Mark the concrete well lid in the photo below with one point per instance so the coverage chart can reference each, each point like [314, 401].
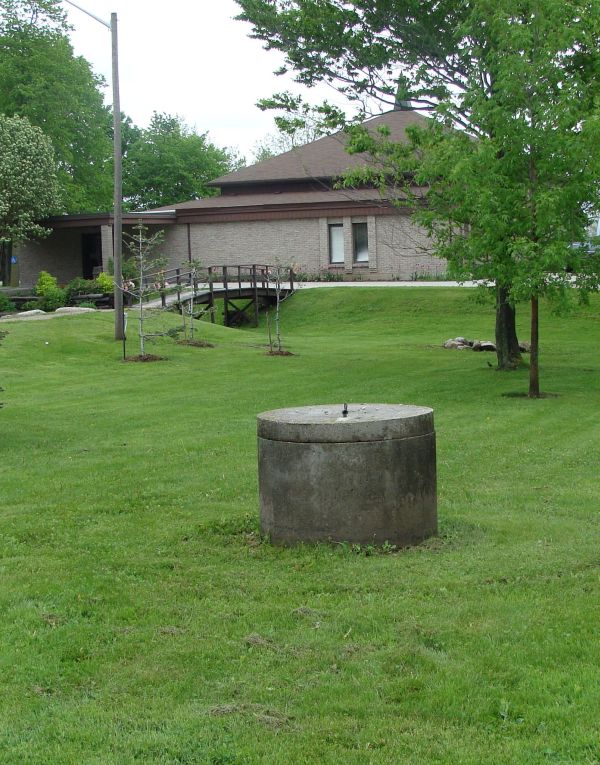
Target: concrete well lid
[325, 423]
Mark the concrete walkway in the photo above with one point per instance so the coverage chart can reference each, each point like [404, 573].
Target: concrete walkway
[310, 285]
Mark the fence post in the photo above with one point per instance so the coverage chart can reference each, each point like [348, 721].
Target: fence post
[178, 275]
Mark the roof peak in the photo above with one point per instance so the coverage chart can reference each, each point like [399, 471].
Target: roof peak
[324, 158]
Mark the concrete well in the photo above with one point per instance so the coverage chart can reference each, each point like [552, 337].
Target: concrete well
[368, 477]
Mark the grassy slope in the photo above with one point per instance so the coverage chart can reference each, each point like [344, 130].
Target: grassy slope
[145, 622]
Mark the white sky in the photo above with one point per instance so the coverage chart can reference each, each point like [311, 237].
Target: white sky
[191, 58]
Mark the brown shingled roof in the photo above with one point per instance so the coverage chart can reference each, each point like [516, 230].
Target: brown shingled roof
[324, 158]
[270, 199]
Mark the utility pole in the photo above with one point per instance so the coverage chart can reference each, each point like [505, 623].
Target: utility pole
[118, 178]
[118, 170]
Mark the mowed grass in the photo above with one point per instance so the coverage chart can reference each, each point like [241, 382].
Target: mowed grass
[145, 621]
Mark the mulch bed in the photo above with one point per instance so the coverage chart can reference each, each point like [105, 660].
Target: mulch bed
[145, 357]
[280, 353]
[196, 343]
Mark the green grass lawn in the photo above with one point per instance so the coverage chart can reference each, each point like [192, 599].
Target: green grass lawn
[144, 620]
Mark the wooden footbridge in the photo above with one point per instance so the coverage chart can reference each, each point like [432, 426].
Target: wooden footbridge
[244, 289]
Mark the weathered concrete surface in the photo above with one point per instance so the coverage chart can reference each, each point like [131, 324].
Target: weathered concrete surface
[366, 478]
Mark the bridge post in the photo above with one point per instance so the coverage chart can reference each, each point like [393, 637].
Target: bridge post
[226, 303]
[211, 302]
[255, 288]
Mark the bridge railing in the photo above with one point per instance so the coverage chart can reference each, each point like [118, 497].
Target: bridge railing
[166, 281]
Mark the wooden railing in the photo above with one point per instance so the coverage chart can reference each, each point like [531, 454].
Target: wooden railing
[230, 281]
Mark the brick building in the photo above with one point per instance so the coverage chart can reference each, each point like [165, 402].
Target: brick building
[285, 209]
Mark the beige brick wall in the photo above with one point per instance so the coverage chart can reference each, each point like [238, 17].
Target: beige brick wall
[397, 248]
[289, 242]
[59, 254]
[404, 249]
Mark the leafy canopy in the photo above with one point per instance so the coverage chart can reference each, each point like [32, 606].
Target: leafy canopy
[41, 79]
[169, 162]
[29, 190]
[509, 205]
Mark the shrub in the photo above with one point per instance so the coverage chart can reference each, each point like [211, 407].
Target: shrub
[6, 304]
[52, 299]
[45, 283]
[80, 286]
[129, 268]
[106, 283]
[31, 305]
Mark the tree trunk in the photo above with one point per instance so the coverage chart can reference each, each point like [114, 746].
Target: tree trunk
[534, 370]
[507, 343]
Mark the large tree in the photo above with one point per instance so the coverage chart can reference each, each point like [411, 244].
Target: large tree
[41, 79]
[29, 191]
[169, 162]
[446, 57]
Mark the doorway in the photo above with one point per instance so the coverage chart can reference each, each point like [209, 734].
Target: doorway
[91, 255]
[9, 276]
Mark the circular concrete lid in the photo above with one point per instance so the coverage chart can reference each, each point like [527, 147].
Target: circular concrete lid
[363, 422]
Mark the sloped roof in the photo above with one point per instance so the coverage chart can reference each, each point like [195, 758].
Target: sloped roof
[276, 199]
[325, 158]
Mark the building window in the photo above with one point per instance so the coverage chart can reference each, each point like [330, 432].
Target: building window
[336, 243]
[360, 238]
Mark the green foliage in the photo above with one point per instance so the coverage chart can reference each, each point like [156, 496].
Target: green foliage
[52, 299]
[105, 282]
[6, 304]
[321, 276]
[45, 283]
[81, 286]
[520, 78]
[50, 296]
[128, 268]
[41, 79]
[28, 186]
[30, 305]
[170, 163]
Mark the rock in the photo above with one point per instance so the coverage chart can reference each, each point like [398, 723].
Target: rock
[74, 309]
[525, 347]
[486, 345]
[476, 345]
[451, 344]
[35, 312]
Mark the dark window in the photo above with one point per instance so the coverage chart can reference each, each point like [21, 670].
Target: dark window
[360, 238]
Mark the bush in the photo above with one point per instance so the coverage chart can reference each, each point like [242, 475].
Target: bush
[45, 283]
[129, 268]
[106, 283]
[31, 305]
[80, 286]
[52, 299]
[6, 304]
